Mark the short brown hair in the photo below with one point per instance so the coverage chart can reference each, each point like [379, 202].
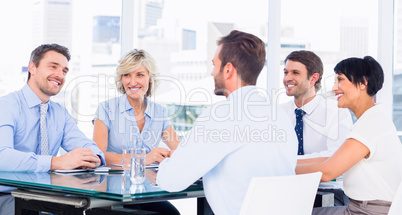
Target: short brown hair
[246, 52]
[38, 53]
[312, 62]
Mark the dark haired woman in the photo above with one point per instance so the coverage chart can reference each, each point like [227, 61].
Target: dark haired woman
[371, 156]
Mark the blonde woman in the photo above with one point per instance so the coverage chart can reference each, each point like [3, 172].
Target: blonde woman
[133, 116]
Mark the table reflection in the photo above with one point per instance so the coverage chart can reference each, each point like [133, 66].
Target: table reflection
[87, 181]
[109, 186]
[112, 185]
[127, 187]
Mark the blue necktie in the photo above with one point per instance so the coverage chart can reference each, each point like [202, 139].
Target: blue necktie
[299, 130]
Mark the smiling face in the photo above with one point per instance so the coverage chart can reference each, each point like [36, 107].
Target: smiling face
[47, 79]
[296, 82]
[346, 92]
[136, 83]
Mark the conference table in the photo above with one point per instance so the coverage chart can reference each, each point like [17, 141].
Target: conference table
[89, 192]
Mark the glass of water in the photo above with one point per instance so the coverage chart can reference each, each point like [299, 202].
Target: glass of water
[125, 183]
[138, 165]
[128, 149]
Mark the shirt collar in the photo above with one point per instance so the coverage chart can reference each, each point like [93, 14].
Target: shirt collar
[311, 105]
[242, 91]
[150, 111]
[30, 97]
[124, 105]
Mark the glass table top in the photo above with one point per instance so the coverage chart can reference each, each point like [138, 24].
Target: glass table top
[89, 184]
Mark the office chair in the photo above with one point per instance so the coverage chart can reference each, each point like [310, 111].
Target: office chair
[293, 195]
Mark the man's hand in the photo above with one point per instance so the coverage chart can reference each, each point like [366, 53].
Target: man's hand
[156, 155]
[150, 174]
[77, 158]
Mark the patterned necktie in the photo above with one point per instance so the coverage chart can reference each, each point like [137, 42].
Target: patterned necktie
[44, 145]
[299, 130]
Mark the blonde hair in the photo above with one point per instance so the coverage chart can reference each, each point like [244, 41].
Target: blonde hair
[132, 61]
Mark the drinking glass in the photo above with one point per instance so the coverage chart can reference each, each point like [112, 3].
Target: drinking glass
[138, 165]
[125, 183]
[128, 149]
[137, 188]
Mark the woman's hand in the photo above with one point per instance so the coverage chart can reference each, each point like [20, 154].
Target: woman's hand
[156, 155]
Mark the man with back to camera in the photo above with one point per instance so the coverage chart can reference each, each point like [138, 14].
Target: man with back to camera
[229, 142]
[322, 125]
[33, 128]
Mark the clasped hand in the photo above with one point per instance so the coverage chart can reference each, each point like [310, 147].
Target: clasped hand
[78, 158]
[158, 154]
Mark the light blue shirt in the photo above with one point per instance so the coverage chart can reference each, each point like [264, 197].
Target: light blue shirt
[118, 116]
[20, 132]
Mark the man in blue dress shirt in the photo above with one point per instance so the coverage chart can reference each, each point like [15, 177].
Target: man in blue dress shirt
[29, 143]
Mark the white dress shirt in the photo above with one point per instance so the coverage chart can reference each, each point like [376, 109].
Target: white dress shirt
[231, 142]
[325, 126]
[378, 176]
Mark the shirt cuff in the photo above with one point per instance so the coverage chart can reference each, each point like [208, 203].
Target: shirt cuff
[44, 163]
[103, 162]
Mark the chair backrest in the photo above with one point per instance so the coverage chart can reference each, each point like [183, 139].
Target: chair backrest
[396, 206]
[292, 194]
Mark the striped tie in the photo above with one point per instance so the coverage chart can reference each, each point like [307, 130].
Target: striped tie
[44, 145]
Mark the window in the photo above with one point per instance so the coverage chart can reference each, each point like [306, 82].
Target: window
[335, 31]
[189, 39]
[183, 41]
[91, 31]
